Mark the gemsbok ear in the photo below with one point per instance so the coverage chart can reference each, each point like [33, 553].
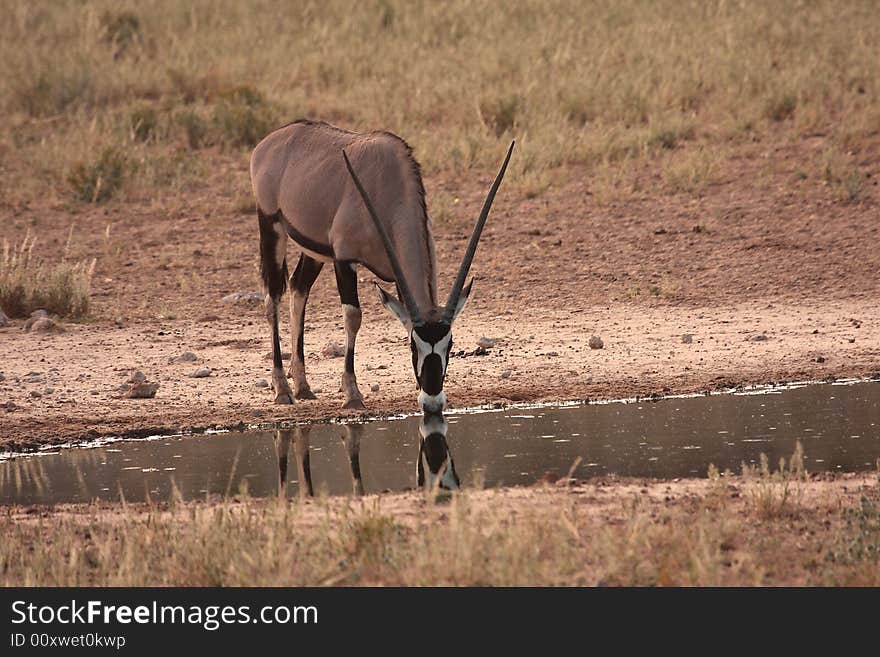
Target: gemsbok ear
[462, 300]
[395, 307]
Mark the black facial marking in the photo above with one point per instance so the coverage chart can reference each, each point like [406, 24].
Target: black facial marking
[415, 360]
[431, 379]
[432, 332]
[436, 452]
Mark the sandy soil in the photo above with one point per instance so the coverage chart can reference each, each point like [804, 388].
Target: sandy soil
[775, 279]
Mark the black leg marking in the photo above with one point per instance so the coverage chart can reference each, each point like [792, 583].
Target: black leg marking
[274, 276]
[304, 276]
[273, 269]
[276, 346]
[346, 283]
[303, 461]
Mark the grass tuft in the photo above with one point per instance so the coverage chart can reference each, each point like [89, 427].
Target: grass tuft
[780, 107]
[776, 494]
[242, 117]
[121, 29]
[98, 181]
[28, 283]
[144, 122]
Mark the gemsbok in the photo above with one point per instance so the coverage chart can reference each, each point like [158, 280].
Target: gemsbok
[373, 214]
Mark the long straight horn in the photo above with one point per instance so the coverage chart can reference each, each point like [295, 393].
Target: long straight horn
[455, 293]
[405, 292]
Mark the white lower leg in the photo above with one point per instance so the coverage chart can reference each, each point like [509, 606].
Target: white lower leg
[283, 393]
[353, 397]
[297, 369]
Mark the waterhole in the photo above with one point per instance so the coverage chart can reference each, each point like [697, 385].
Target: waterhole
[837, 424]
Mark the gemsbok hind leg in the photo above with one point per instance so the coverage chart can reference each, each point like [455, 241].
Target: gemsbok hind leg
[346, 282]
[301, 282]
[273, 269]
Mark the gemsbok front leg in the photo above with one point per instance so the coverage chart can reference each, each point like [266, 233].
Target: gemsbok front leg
[273, 269]
[301, 282]
[346, 282]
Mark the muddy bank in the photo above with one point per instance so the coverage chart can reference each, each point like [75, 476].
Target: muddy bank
[67, 386]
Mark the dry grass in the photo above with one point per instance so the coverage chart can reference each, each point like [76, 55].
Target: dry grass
[28, 283]
[599, 82]
[698, 532]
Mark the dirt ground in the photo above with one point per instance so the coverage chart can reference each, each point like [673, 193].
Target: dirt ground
[774, 277]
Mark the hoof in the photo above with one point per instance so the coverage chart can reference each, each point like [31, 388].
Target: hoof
[354, 404]
[284, 398]
[305, 394]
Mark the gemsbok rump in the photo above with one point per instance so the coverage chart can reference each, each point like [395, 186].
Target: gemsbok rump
[372, 214]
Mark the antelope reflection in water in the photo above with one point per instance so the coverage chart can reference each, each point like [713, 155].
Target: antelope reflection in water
[298, 437]
[435, 467]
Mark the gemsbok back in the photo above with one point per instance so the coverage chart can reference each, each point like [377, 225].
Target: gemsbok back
[372, 214]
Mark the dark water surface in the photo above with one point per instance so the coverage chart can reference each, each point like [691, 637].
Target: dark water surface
[838, 426]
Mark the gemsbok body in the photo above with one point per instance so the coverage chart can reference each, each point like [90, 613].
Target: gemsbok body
[353, 199]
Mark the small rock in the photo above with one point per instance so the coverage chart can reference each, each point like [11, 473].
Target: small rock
[820, 359]
[505, 374]
[201, 373]
[553, 354]
[250, 298]
[185, 357]
[333, 350]
[374, 387]
[136, 377]
[142, 390]
[761, 337]
[2, 376]
[596, 342]
[660, 231]
[850, 340]
[486, 343]
[257, 412]
[261, 383]
[40, 325]
[9, 406]
[285, 355]
[37, 314]
[36, 394]
[687, 338]
[48, 391]
[317, 391]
